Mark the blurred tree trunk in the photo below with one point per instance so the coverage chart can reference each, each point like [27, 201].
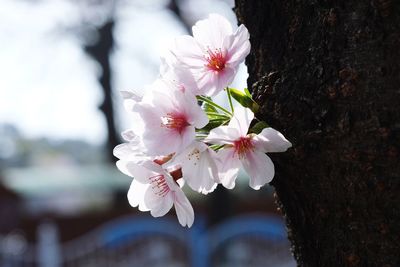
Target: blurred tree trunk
[100, 51]
[327, 75]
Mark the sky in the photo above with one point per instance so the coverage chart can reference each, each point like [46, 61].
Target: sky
[48, 85]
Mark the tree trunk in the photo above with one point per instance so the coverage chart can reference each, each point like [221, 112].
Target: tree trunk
[327, 75]
[101, 51]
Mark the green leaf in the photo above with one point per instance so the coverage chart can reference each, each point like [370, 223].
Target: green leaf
[215, 115]
[244, 98]
[213, 123]
[208, 108]
[258, 127]
[247, 92]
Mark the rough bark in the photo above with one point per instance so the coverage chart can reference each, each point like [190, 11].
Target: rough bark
[327, 74]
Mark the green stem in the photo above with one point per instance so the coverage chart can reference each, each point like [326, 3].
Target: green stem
[205, 99]
[229, 98]
[216, 114]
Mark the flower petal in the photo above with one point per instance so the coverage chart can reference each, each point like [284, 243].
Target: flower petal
[188, 51]
[259, 167]
[130, 99]
[130, 152]
[183, 208]
[137, 171]
[195, 114]
[239, 47]
[199, 167]
[222, 135]
[229, 166]
[211, 32]
[270, 140]
[241, 120]
[158, 205]
[136, 195]
[225, 78]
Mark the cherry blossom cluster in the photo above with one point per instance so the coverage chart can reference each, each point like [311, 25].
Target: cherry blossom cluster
[181, 136]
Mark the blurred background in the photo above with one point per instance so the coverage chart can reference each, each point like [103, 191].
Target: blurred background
[62, 200]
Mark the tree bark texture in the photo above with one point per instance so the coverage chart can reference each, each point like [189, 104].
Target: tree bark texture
[327, 75]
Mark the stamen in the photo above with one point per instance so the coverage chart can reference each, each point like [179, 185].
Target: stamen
[175, 122]
[243, 145]
[159, 185]
[216, 60]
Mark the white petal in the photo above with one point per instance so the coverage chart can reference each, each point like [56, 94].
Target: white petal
[187, 137]
[138, 171]
[130, 152]
[241, 120]
[211, 32]
[158, 205]
[188, 51]
[270, 140]
[130, 136]
[229, 168]
[130, 99]
[199, 167]
[136, 195]
[121, 165]
[259, 167]
[239, 47]
[180, 77]
[222, 135]
[195, 114]
[183, 208]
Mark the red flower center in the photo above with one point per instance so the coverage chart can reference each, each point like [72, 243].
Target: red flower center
[216, 60]
[243, 145]
[177, 122]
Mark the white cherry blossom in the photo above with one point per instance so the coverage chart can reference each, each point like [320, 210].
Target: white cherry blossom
[199, 167]
[154, 190]
[246, 150]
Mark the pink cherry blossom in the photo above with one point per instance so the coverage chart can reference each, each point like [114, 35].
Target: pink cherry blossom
[154, 190]
[213, 54]
[246, 150]
[167, 119]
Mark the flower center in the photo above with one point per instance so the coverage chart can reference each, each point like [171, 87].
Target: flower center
[175, 122]
[159, 185]
[216, 60]
[243, 145]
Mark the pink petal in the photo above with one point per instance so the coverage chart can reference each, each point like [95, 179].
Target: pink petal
[239, 47]
[188, 51]
[259, 167]
[211, 32]
[225, 78]
[163, 141]
[270, 140]
[229, 167]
